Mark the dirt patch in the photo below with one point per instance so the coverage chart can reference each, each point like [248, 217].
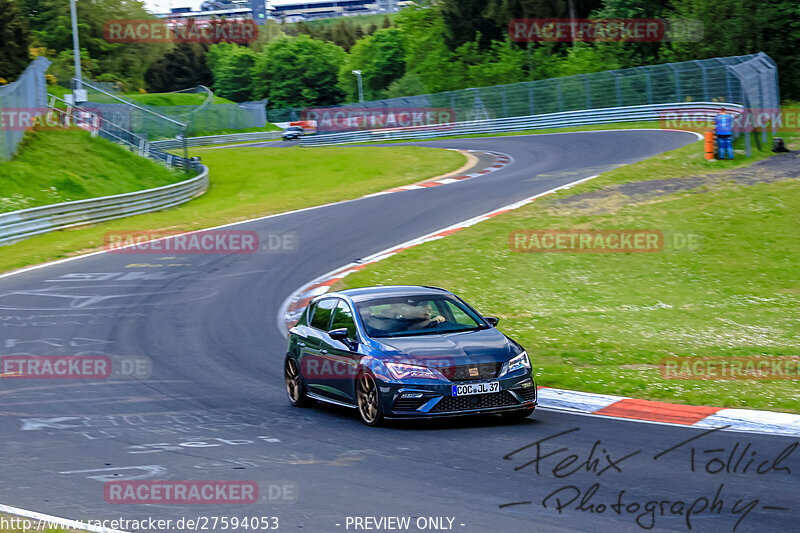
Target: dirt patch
[778, 167]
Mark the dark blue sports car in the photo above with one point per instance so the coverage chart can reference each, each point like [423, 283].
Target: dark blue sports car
[406, 352]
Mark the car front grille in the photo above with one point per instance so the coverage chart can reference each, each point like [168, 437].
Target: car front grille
[476, 401]
[471, 372]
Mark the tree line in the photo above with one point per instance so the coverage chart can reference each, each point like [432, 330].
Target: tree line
[430, 46]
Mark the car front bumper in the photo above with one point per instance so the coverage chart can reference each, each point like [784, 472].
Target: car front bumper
[436, 400]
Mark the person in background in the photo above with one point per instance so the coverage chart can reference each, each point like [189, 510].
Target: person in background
[723, 126]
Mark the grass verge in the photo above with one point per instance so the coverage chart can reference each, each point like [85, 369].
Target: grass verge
[67, 165]
[603, 322]
[253, 182]
[171, 99]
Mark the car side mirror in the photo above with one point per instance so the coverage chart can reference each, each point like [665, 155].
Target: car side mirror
[340, 334]
[492, 320]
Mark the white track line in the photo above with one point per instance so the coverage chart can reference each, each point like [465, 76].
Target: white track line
[390, 191]
[377, 256]
[90, 254]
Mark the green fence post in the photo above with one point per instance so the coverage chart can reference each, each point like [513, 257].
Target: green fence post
[705, 80]
[617, 87]
[648, 85]
[588, 87]
[560, 99]
[678, 92]
[185, 151]
[530, 98]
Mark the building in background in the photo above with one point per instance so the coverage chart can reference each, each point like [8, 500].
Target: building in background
[293, 11]
[259, 8]
[288, 10]
[388, 6]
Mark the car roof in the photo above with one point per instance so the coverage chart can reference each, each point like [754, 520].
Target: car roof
[362, 294]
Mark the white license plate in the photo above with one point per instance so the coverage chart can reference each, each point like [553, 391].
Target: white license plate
[476, 388]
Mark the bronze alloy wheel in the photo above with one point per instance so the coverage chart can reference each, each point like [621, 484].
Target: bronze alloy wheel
[295, 386]
[368, 402]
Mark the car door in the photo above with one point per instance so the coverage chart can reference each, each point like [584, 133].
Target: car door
[342, 357]
[302, 338]
[312, 366]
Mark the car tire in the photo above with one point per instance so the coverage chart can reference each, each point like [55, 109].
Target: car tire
[295, 384]
[368, 400]
[520, 414]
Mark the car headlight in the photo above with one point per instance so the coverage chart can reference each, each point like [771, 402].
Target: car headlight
[406, 371]
[520, 361]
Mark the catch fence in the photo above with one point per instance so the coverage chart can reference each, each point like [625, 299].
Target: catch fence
[749, 80]
[28, 92]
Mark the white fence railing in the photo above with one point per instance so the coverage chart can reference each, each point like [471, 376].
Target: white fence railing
[18, 225]
[552, 120]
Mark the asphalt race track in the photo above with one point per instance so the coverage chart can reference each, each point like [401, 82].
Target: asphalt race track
[215, 407]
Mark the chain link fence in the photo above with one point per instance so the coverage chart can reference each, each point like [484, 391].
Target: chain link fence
[26, 102]
[123, 117]
[202, 119]
[749, 80]
[758, 79]
[708, 80]
[25, 95]
[88, 118]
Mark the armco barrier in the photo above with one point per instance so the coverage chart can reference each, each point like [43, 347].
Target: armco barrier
[551, 120]
[18, 225]
[219, 139]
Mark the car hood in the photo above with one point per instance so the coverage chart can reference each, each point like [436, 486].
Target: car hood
[450, 349]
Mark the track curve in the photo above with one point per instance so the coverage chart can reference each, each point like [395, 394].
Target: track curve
[215, 408]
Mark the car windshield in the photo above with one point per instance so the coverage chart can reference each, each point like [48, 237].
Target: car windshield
[416, 315]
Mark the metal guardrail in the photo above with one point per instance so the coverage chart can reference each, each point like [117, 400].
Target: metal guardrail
[219, 139]
[550, 120]
[18, 225]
